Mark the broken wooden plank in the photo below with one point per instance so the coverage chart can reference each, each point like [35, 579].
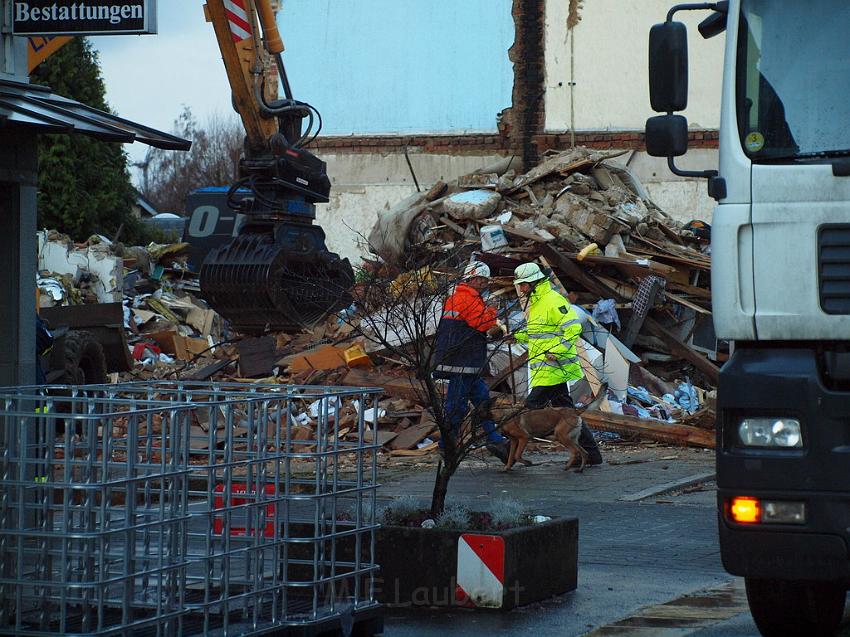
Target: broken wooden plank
[629, 266]
[395, 386]
[577, 274]
[683, 301]
[558, 164]
[424, 451]
[539, 235]
[625, 290]
[688, 262]
[650, 429]
[670, 234]
[413, 435]
[383, 437]
[685, 256]
[690, 290]
[453, 226]
[322, 358]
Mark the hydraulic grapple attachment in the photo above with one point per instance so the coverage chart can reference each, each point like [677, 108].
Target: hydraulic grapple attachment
[277, 273]
[283, 278]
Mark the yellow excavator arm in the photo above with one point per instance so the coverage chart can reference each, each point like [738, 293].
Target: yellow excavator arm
[235, 27]
[277, 273]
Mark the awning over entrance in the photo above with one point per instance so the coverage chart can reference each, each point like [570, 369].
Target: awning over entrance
[36, 107]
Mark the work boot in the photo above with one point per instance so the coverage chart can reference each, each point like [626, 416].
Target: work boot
[500, 450]
[588, 443]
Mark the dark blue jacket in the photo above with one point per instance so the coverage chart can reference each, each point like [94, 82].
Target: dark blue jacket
[461, 343]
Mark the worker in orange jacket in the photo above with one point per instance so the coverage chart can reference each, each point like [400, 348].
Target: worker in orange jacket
[460, 351]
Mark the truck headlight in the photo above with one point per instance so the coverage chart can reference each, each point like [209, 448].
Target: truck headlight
[770, 432]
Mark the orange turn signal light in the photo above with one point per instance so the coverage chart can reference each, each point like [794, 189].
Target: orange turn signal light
[745, 510]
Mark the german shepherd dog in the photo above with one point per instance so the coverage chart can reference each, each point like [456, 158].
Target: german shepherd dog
[520, 425]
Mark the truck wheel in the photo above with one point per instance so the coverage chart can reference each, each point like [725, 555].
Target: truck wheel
[84, 361]
[795, 608]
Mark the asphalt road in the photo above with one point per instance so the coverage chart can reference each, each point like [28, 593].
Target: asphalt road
[648, 567]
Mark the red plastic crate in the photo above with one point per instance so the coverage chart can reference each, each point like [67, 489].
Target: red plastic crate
[247, 496]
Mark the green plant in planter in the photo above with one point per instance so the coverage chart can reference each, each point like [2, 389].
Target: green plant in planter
[507, 514]
[421, 565]
[498, 515]
[401, 511]
[455, 516]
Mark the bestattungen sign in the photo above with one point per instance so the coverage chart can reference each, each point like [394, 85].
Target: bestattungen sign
[83, 17]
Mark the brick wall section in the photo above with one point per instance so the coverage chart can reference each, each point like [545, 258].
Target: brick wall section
[494, 144]
[618, 139]
[527, 116]
[431, 144]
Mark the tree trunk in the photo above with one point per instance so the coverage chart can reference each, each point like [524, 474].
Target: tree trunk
[441, 488]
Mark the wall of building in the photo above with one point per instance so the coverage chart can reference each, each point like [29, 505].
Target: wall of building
[598, 84]
[610, 61]
[432, 91]
[400, 66]
[683, 198]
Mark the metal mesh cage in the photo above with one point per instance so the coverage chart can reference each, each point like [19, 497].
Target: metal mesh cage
[183, 508]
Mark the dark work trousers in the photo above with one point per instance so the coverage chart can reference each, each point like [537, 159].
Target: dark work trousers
[465, 389]
[559, 396]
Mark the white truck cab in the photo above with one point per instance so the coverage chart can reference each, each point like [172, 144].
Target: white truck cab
[780, 291]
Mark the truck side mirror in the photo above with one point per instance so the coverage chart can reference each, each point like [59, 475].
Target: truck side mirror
[667, 136]
[668, 67]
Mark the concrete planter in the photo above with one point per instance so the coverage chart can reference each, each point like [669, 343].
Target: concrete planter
[500, 569]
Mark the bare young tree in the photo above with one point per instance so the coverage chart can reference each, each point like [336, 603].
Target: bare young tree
[398, 314]
[213, 160]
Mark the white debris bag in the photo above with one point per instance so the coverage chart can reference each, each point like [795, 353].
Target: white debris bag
[473, 204]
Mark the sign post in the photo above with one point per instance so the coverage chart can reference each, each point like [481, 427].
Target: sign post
[83, 17]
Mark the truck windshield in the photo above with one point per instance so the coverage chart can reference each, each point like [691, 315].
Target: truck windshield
[793, 79]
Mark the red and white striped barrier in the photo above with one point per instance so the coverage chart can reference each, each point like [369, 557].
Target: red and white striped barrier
[480, 571]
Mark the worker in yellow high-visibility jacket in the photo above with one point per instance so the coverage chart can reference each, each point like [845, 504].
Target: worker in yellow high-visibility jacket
[551, 332]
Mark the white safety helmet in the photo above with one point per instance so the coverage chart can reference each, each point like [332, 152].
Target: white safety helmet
[528, 273]
[476, 268]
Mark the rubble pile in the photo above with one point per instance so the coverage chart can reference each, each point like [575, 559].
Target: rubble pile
[167, 327]
[639, 279]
